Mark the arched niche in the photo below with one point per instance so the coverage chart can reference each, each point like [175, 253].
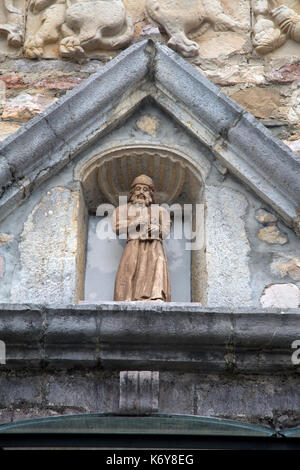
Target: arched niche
[177, 179]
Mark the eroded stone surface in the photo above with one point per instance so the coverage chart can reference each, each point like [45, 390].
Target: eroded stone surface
[148, 124]
[52, 251]
[262, 102]
[178, 21]
[271, 234]
[12, 25]
[235, 74]
[7, 128]
[139, 392]
[265, 217]
[286, 265]
[24, 107]
[60, 83]
[70, 30]
[281, 296]
[227, 250]
[5, 238]
[293, 145]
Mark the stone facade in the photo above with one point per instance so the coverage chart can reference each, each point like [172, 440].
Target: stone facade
[226, 46]
[113, 114]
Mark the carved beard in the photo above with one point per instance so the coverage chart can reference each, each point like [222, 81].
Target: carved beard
[140, 198]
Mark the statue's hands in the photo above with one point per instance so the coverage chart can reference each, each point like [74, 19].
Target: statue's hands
[154, 230]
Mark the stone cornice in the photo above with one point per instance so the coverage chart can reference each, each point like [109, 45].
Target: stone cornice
[131, 336]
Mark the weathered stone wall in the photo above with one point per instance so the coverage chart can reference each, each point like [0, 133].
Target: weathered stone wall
[268, 400]
[265, 83]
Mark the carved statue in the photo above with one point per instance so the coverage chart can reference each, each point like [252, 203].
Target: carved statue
[143, 272]
[80, 26]
[180, 18]
[13, 28]
[275, 24]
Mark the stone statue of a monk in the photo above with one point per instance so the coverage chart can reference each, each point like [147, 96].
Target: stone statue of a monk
[143, 272]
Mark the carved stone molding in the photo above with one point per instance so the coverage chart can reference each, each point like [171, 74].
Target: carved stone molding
[57, 28]
[139, 392]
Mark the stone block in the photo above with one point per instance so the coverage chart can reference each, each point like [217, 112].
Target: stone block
[58, 83]
[25, 106]
[281, 296]
[20, 390]
[57, 231]
[265, 217]
[272, 235]
[139, 392]
[227, 249]
[261, 102]
[286, 265]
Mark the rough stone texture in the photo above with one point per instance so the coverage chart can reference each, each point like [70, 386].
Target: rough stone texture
[59, 83]
[2, 266]
[12, 20]
[72, 31]
[25, 107]
[281, 296]
[271, 234]
[270, 400]
[286, 265]
[139, 392]
[227, 248]
[261, 102]
[7, 128]
[264, 217]
[51, 249]
[5, 238]
[293, 145]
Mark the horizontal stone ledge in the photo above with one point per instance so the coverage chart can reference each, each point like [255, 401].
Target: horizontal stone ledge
[155, 336]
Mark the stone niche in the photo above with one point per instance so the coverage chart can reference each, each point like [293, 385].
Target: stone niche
[178, 184]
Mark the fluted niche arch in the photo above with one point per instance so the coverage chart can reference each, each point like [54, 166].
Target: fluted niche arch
[177, 181]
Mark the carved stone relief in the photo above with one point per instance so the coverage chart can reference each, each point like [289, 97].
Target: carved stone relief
[182, 19]
[12, 24]
[275, 24]
[73, 30]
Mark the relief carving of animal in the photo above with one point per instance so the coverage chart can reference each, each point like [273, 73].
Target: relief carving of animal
[179, 18]
[13, 29]
[80, 26]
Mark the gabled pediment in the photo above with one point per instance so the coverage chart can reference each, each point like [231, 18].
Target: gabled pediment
[41, 148]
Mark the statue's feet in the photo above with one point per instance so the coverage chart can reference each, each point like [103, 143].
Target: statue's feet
[34, 48]
[70, 48]
[180, 43]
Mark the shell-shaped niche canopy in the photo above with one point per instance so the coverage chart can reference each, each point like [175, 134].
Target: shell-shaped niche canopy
[115, 176]
[107, 177]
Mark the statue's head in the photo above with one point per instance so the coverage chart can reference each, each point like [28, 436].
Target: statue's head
[142, 191]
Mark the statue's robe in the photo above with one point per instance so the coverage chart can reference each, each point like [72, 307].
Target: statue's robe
[143, 272]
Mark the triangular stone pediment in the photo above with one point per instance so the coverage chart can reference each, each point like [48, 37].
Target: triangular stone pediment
[144, 72]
